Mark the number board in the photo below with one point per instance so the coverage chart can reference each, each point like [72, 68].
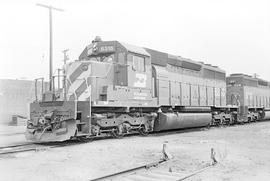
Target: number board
[106, 49]
[100, 49]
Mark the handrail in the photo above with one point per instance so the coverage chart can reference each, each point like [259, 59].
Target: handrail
[90, 105]
[42, 91]
[76, 98]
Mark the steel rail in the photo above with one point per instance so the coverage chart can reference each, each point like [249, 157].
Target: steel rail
[18, 151]
[12, 146]
[196, 172]
[22, 148]
[131, 170]
[36, 147]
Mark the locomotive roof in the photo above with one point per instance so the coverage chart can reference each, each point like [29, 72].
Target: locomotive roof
[128, 47]
[246, 76]
[135, 49]
[251, 81]
[158, 58]
[162, 59]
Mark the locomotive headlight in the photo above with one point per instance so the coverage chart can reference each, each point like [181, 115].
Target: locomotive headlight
[42, 120]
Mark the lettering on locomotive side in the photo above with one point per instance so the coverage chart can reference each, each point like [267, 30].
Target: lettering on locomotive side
[140, 80]
[140, 95]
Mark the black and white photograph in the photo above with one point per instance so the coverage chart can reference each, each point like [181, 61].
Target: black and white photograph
[135, 90]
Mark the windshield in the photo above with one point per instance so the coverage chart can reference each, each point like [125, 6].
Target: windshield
[103, 58]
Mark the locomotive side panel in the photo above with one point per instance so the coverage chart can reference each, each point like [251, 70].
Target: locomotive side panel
[175, 93]
[185, 89]
[217, 96]
[216, 85]
[161, 85]
[202, 91]
[174, 86]
[194, 95]
[210, 95]
[256, 96]
[220, 78]
[163, 92]
[223, 96]
[201, 87]
[200, 84]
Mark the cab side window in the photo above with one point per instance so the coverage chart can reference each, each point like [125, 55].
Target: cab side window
[138, 63]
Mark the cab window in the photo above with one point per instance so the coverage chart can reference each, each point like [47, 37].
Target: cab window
[138, 63]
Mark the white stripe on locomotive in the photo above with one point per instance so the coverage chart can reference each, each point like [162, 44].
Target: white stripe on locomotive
[79, 81]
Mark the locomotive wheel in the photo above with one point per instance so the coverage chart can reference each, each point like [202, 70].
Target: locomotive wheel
[226, 122]
[118, 132]
[255, 119]
[223, 122]
[218, 123]
[143, 130]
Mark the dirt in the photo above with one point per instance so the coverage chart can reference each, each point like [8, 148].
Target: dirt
[242, 153]
[10, 135]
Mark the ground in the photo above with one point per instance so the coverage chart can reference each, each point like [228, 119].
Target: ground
[242, 152]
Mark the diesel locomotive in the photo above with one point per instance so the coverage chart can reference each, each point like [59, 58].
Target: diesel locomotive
[116, 88]
[251, 95]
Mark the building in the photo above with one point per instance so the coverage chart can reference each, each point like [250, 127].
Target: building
[15, 96]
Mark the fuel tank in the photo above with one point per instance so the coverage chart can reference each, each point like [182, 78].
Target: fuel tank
[266, 115]
[170, 121]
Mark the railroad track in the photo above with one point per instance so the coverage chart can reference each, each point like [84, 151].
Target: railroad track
[27, 147]
[20, 148]
[150, 172]
[43, 146]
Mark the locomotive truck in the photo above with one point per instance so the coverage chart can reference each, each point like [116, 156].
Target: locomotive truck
[116, 88]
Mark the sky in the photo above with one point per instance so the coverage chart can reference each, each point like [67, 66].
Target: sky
[231, 34]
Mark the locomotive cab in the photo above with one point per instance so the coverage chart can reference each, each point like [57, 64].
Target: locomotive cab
[121, 73]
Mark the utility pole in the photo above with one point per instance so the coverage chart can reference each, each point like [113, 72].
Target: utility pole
[50, 8]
